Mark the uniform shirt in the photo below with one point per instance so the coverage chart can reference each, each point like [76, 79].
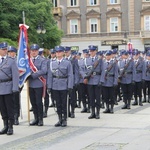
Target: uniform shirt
[60, 76]
[109, 75]
[9, 70]
[41, 65]
[146, 70]
[86, 68]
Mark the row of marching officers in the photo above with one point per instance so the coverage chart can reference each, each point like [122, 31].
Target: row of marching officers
[97, 77]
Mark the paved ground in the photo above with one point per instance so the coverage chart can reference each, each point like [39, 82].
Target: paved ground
[123, 130]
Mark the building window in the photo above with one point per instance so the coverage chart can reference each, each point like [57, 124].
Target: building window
[93, 25]
[73, 2]
[114, 24]
[113, 1]
[93, 2]
[73, 26]
[147, 0]
[147, 23]
[54, 3]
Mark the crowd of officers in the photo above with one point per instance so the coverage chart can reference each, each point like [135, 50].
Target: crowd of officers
[95, 79]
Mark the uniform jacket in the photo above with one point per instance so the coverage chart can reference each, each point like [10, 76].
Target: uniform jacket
[9, 70]
[41, 65]
[138, 64]
[109, 77]
[86, 67]
[60, 76]
[146, 71]
[75, 69]
[127, 78]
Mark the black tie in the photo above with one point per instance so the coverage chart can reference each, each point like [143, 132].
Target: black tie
[2, 60]
[92, 59]
[59, 63]
[33, 60]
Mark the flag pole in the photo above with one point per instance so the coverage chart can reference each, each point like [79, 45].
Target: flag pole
[27, 85]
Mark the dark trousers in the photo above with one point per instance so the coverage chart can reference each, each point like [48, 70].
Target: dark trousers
[138, 89]
[61, 101]
[108, 93]
[148, 86]
[36, 100]
[46, 99]
[84, 94]
[127, 90]
[16, 99]
[7, 107]
[94, 95]
[73, 99]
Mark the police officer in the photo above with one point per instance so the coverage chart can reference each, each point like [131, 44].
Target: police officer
[46, 98]
[9, 81]
[146, 73]
[36, 85]
[93, 65]
[83, 87]
[126, 71]
[12, 51]
[72, 96]
[60, 80]
[138, 62]
[109, 80]
[52, 58]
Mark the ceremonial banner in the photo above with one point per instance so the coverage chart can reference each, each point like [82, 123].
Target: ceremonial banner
[23, 56]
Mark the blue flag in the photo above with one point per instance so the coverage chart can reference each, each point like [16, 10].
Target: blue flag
[23, 56]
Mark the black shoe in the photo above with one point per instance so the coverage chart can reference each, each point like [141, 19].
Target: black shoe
[72, 115]
[79, 105]
[128, 107]
[97, 116]
[34, 122]
[106, 111]
[52, 105]
[64, 123]
[135, 103]
[16, 122]
[58, 124]
[102, 106]
[111, 111]
[140, 103]
[4, 130]
[40, 123]
[124, 107]
[44, 114]
[84, 110]
[10, 131]
[88, 110]
[92, 116]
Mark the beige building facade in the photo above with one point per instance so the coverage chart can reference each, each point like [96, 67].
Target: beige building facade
[107, 24]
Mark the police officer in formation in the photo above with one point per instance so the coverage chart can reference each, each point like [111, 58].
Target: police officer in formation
[109, 80]
[9, 81]
[83, 87]
[60, 80]
[72, 96]
[36, 86]
[12, 51]
[127, 71]
[91, 73]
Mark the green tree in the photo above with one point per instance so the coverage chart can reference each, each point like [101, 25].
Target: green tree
[36, 12]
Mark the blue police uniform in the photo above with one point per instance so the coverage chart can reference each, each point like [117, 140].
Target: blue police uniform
[16, 97]
[72, 96]
[60, 80]
[126, 70]
[9, 80]
[138, 78]
[36, 87]
[146, 74]
[93, 81]
[109, 80]
[83, 87]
